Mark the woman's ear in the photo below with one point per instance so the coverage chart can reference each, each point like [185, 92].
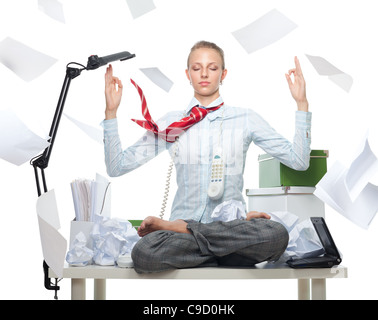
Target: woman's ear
[188, 75]
[224, 74]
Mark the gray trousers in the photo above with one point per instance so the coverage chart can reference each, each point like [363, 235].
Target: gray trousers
[234, 243]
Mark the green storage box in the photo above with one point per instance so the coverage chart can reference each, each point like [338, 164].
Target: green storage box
[273, 173]
[135, 223]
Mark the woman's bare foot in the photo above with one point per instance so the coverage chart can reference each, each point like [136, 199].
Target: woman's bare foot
[257, 214]
[151, 224]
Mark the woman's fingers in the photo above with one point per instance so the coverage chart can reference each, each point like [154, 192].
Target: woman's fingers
[298, 66]
[109, 74]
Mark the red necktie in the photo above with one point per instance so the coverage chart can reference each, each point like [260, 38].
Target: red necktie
[176, 128]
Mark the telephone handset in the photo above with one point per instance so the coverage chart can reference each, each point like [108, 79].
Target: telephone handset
[216, 186]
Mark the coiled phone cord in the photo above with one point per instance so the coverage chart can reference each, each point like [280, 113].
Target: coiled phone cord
[168, 180]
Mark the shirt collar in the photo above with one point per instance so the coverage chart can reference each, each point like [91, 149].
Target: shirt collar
[194, 102]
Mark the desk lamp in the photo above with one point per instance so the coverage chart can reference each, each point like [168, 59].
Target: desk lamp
[42, 160]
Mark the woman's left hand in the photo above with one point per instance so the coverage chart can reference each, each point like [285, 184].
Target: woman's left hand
[298, 87]
[257, 214]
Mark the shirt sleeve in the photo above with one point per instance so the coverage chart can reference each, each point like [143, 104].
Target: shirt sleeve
[295, 154]
[119, 161]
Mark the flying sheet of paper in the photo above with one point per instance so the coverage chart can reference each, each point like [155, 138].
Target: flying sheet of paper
[54, 245]
[92, 132]
[17, 143]
[266, 30]
[140, 7]
[348, 191]
[157, 77]
[325, 191]
[336, 195]
[24, 61]
[52, 8]
[363, 168]
[324, 68]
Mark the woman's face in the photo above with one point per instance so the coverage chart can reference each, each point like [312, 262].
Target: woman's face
[205, 73]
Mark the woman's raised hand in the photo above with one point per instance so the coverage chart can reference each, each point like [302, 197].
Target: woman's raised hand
[113, 93]
[298, 87]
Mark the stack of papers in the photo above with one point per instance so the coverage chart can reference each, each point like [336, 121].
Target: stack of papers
[81, 193]
[91, 198]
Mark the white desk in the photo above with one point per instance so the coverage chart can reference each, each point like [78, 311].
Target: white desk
[314, 289]
[298, 200]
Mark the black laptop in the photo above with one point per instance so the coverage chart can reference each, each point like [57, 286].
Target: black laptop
[331, 256]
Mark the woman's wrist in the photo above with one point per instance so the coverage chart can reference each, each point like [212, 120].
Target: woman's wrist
[110, 114]
[302, 105]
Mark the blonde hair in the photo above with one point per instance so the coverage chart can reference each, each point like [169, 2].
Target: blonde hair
[209, 45]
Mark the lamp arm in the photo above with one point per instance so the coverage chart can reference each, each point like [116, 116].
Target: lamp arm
[41, 162]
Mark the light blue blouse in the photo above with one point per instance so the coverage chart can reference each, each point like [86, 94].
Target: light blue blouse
[232, 129]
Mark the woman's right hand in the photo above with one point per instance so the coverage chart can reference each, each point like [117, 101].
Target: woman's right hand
[113, 93]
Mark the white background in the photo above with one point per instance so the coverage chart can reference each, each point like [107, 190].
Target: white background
[343, 32]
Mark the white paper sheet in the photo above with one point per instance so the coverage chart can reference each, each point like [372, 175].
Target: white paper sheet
[157, 77]
[107, 241]
[24, 61]
[348, 191]
[363, 168]
[79, 254]
[112, 238]
[229, 210]
[140, 7]
[92, 132]
[264, 31]
[102, 205]
[52, 8]
[324, 68]
[364, 208]
[287, 219]
[54, 245]
[303, 239]
[326, 193]
[17, 143]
